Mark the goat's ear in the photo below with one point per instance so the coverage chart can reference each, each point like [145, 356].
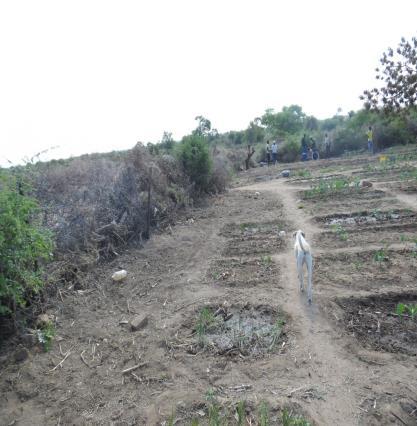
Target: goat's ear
[304, 235]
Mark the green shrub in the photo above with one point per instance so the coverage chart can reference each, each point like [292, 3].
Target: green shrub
[194, 155]
[290, 150]
[23, 245]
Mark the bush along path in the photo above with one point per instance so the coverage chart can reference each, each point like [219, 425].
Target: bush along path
[209, 325]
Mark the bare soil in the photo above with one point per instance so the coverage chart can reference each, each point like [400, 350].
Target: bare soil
[328, 361]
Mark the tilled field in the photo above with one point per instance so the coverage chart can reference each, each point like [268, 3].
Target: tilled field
[209, 326]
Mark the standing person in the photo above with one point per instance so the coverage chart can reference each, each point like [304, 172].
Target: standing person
[304, 144]
[327, 145]
[370, 136]
[274, 150]
[268, 153]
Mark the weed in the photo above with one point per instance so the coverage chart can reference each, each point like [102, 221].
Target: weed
[340, 231]
[263, 414]
[194, 422]
[288, 419]
[412, 310]
[380, 255]
[400, 309]
[240, 412]
[206, 319]
[46, 335]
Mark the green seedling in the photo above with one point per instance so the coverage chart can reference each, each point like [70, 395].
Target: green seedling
[194, 422]
[46, 335]
[205, 321]
[340, 231]
[400, 309]
[380, 255]
[412, 310]
[264, 414]
[241, 413]
[288, 419]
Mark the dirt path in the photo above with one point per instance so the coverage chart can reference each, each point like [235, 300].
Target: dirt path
[327, 366]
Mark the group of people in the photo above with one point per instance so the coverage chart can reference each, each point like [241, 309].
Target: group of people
[309, 149]
[271, 152]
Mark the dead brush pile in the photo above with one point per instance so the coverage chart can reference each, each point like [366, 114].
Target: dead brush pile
[96, 204]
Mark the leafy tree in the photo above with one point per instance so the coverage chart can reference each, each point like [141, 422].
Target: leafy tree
[23, 245]
[167, 141]
[194, 155]
[289, 121]
[399, 78]
[203, 127]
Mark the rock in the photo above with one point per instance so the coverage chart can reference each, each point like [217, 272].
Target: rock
[21, 354]
[138, 322]
[119, 275]
[42, 321]
[366, 184]
[282, 234]
[285, 173]
[29, 339]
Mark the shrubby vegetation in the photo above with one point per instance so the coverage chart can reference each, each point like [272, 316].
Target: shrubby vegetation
[24, 246]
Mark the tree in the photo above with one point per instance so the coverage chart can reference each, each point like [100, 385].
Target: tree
[289, 120]
[203, 127]
[195, 158]
[167, 141]
[399, 79]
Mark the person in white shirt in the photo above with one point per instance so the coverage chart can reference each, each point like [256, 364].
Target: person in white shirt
[274, 150]
[268, 153]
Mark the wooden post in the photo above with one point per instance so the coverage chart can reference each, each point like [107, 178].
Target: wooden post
[148, 218]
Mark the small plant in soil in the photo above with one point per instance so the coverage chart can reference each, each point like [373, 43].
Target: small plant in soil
[288, 419]
[340, 232]
[400, 309]
[206, 319]
[412, 310]
[46, 335]
[240, 413]
[264, 414]
[380, 255]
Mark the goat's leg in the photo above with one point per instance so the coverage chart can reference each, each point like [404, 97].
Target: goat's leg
[309, 261]
[300, 264]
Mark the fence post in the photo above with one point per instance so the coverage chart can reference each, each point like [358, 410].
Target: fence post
[148, 218]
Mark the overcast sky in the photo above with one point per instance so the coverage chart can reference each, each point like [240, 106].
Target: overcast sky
[97, 75]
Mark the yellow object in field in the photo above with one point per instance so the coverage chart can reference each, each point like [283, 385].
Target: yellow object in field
[382, 158]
